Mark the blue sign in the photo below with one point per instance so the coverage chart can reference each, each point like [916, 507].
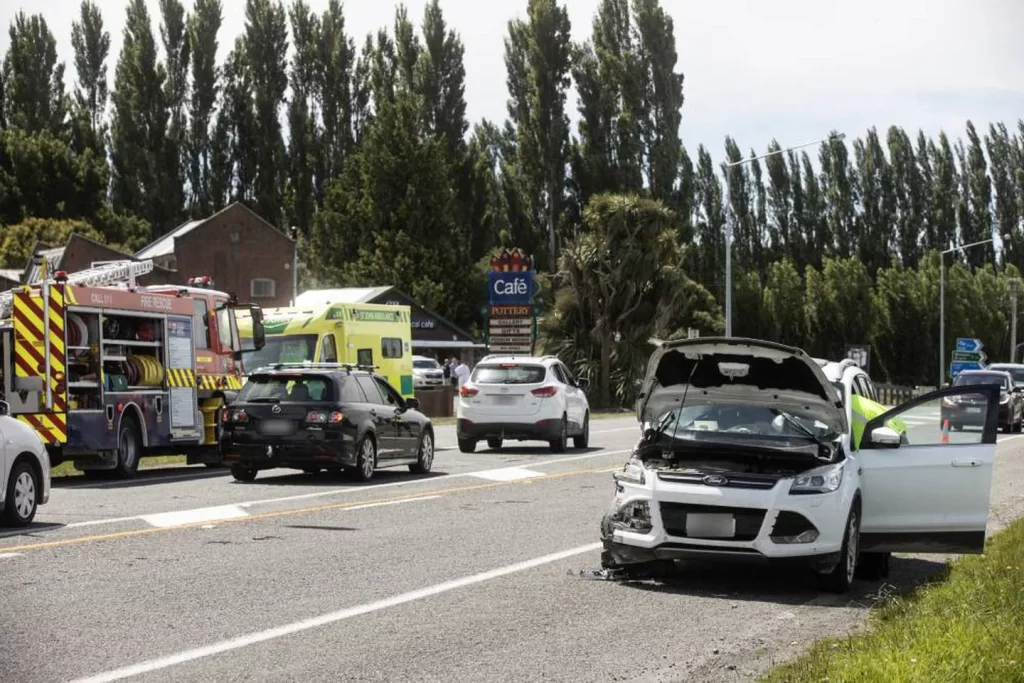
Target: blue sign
[967, 344]
[510, 287]
[958, 366]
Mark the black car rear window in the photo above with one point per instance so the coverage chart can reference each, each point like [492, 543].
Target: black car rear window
[509, 373]
[287, 388]
[979, 378]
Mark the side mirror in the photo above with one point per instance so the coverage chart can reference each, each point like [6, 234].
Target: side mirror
[259, 335]
[412, 403]
[5, 408]
[886, 437]
[582, 384]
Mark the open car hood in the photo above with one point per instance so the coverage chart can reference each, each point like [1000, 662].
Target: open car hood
[737, 369]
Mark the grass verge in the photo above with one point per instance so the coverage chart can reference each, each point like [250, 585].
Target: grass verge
[969, 627]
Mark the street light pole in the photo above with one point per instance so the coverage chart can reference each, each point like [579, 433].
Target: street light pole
[942, 300]
[1013, 324]
[728, 226]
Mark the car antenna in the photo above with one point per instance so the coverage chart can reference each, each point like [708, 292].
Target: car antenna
[671, 454]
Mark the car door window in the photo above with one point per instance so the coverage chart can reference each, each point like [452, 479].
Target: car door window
[370, 389]
[962, 415]
[350, 391]
[557, 372]
[569, 379]
[391, 397]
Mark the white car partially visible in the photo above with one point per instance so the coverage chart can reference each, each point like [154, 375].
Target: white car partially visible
[522, 398]
[746, 455]
[25, 470]
[426, 372]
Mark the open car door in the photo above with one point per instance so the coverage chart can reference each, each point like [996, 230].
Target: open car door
[926, 485]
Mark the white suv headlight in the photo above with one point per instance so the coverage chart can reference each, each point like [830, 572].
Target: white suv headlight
[632, 473]
[819, 480]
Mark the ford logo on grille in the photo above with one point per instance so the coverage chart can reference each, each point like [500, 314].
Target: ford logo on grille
[715, 480]
[276, 409]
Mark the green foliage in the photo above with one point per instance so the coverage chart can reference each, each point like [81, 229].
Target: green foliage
[19, 239]
[34, 97]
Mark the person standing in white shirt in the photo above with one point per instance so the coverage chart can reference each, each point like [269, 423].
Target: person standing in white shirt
[461, 372]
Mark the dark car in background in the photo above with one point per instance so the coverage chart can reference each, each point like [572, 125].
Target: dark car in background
[967, 410]
[326, 416]
[1016, 371]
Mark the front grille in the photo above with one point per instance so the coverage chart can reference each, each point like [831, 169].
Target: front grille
[748, 520]
[738, 481]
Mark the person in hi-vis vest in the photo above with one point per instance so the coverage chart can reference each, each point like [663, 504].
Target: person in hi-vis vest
[862, 411]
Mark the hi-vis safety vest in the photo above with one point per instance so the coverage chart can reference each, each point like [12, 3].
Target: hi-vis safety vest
[862, 411]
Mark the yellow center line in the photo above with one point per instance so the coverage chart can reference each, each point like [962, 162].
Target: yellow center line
[297, 511]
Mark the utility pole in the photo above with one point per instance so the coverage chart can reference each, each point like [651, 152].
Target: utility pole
[1013, 324]
[728, 226]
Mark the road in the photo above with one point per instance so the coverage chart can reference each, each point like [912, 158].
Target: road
[470, 573]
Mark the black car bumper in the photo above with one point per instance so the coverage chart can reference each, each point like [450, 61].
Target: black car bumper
[322, 449]
[542, 430]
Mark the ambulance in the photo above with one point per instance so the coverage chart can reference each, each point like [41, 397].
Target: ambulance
[368, 335]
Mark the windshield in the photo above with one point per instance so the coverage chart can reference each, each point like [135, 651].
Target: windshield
[286, 388]
[964, 379]
[1016, 373]
[508, 373]
[426, 364]
[285, 348]
[741, 421]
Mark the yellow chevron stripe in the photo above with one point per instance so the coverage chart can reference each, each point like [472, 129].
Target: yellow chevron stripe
[49, 430]
[69, 294]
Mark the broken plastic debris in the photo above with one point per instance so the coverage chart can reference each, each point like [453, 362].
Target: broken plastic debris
[596, 574]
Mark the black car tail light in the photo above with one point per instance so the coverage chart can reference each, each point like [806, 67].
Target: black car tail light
[316, 417]
[236, 416]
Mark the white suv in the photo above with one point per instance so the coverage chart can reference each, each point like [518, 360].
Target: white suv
[525, 398]
[24, 471]
[426, 372]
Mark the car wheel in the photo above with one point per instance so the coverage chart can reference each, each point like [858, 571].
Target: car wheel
[873, 566]
[560, 444]
[839, 579]
[467, 445]
[425, 455]
[494, 444]
[366, 460]
[244, 473]
[128, 449]
[22, 495]
[583, 439]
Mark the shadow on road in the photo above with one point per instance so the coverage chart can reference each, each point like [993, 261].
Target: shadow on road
[287, 477]
[156, 475]
[788, 586]
[30, 531]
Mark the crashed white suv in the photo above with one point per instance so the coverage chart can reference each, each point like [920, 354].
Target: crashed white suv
[746, 454]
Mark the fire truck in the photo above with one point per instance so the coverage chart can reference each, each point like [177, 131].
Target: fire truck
[108, 372]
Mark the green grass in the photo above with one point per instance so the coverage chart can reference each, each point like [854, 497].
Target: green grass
[969, 627]
[67, 469]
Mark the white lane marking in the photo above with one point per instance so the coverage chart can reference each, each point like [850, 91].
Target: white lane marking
[4, 555]
[390, 502]
[508, 474]
[352, 489]
[331, 618]
[211, 514]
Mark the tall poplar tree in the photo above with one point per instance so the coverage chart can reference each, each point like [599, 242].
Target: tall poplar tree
[34, 97]
[203, 26]
[91, 44]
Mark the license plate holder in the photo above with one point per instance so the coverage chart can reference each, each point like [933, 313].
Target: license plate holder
[276, 427]
[710, 525]
[974, 411]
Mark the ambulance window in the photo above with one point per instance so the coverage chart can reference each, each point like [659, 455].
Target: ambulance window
[364, 356]
[200, 327]
[328, 353]
[391, 347]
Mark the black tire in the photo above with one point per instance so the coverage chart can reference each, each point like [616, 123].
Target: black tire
[23, 493]
[129, 448]
[425, 454]
[366, 459]
[841, 577]
[582, 440]
[467, 445]
[244, 473]
[311, 470]
[561, 444]
[494, 444]
[873, 566]
[215, 465]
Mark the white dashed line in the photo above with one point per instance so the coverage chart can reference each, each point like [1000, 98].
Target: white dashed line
[508, 474]
[211, 514]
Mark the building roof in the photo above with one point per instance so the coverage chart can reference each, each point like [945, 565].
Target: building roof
[33, 273]
[12, 274]
[347, 295]
[164, 246]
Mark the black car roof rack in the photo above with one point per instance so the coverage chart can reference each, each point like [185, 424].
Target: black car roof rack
[309, 365]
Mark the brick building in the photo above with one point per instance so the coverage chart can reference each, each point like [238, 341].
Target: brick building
[243, 253]
[81, 253]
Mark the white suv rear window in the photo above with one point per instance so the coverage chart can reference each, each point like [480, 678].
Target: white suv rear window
[509, 373]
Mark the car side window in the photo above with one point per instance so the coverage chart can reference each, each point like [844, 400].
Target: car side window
[557, 372]
[569, 379]
[390, 395]
[350, 391]
[371, 390]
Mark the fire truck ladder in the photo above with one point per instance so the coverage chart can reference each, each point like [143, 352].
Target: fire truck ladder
[102, 275]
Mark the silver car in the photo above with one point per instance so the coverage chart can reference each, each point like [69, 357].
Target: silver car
[426, 372]
[24, 471]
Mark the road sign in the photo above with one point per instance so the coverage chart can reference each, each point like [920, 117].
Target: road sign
[970, 356]
[958, 366]
[511, 322]
[968, 344]
[515, 349]
[510, 288]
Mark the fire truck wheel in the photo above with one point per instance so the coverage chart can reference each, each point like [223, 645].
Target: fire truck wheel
[128, 448]
[244, 473]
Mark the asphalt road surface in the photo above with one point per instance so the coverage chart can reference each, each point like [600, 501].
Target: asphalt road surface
[477, 572]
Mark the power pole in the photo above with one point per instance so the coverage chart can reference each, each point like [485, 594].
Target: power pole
[1013, 322]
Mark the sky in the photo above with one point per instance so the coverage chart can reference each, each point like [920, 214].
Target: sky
[790, 70]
